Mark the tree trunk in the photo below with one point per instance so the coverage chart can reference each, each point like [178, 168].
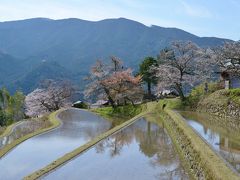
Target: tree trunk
[109, 98]
[111, 101]
[180, 91]
[149, 89]
[130, 101]
[206, 87]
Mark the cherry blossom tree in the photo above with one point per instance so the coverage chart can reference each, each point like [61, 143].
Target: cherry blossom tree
[96, 88]
[113, 82]
[51, 96]
[185, 64]
[124, 86]
[227, 57]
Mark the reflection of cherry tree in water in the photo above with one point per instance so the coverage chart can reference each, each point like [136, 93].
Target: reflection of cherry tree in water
[152, 141]
[148, 140]
[157, 145]
[124, 137]
[116, 142]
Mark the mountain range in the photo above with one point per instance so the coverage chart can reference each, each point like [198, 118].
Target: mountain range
[36, 49]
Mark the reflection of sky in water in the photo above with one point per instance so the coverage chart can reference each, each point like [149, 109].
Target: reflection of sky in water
[78, 128]
[141, 151]
[211, 137]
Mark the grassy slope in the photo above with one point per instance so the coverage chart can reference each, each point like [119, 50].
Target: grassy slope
[223, 103]
[224, 96]
[55, 123]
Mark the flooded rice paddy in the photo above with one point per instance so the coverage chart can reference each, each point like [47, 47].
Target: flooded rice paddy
[141, 151]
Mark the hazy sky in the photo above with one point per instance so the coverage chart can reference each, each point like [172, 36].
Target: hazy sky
[201, 17]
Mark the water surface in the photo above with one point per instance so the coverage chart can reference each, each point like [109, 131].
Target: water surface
[77, 128]
[222, 134]
[142, 151]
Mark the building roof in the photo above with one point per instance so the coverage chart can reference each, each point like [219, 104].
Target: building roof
[100, 102]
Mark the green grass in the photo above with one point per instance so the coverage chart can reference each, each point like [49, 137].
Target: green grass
[120, 114]
[234, 95]
[173, 103]
[54, 123]
[127, 111]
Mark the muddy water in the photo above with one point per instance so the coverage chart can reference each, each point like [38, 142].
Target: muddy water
[77, 128]
[222, 134]
[141, 151]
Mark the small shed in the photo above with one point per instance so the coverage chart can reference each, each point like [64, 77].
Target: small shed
[80, 104]
[230, 80]
[167, 93]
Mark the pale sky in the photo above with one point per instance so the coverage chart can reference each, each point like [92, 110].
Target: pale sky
[218, 18]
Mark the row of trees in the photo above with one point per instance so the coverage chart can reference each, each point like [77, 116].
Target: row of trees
[11, 107]
[185, 64]
[179, 67]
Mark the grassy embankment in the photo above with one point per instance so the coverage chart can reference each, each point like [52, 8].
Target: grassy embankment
[125, 112]
[54, 123]
[222, 98]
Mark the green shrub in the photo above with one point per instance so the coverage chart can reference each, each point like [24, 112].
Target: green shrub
[3, 118]
[126, 111]
[198, 93]
[81, 105]
[235, 92]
